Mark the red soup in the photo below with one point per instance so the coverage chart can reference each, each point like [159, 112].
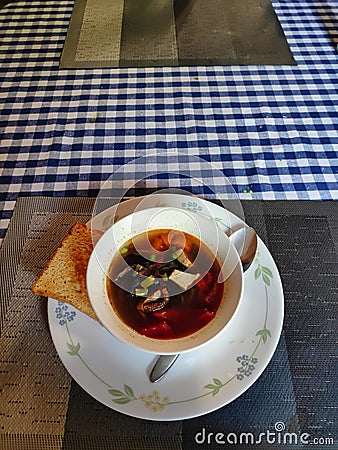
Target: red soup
[161, 297]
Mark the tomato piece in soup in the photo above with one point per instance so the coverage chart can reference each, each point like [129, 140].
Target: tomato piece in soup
[160, 330]
[185, 321]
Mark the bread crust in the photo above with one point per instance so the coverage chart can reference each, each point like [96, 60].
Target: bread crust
[64, 276]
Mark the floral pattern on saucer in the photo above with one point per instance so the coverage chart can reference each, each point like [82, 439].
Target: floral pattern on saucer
[154, 401]
[192, 388]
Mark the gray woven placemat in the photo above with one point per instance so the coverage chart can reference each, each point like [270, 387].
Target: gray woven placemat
[129, 33]
[42, 408]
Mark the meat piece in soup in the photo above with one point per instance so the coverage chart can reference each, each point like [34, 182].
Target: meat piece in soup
[153, 304]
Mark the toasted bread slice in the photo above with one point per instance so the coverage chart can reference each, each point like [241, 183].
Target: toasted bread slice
[64, 277]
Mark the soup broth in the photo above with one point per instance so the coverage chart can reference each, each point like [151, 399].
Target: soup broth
[161, 298]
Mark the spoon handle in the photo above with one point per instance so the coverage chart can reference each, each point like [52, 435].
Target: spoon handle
[161, 366]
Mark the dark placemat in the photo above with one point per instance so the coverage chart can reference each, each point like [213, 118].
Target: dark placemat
[129, 33]
[42, 408]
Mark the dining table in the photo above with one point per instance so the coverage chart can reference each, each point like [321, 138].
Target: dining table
[244, 144]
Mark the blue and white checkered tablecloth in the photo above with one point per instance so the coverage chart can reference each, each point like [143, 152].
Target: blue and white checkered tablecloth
[271, 130]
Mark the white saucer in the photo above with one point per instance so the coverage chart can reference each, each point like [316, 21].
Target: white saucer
[202, 380]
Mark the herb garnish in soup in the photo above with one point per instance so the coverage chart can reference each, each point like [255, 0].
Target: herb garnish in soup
[167, 289]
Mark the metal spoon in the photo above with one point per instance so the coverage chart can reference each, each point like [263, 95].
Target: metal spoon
[245, 242]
